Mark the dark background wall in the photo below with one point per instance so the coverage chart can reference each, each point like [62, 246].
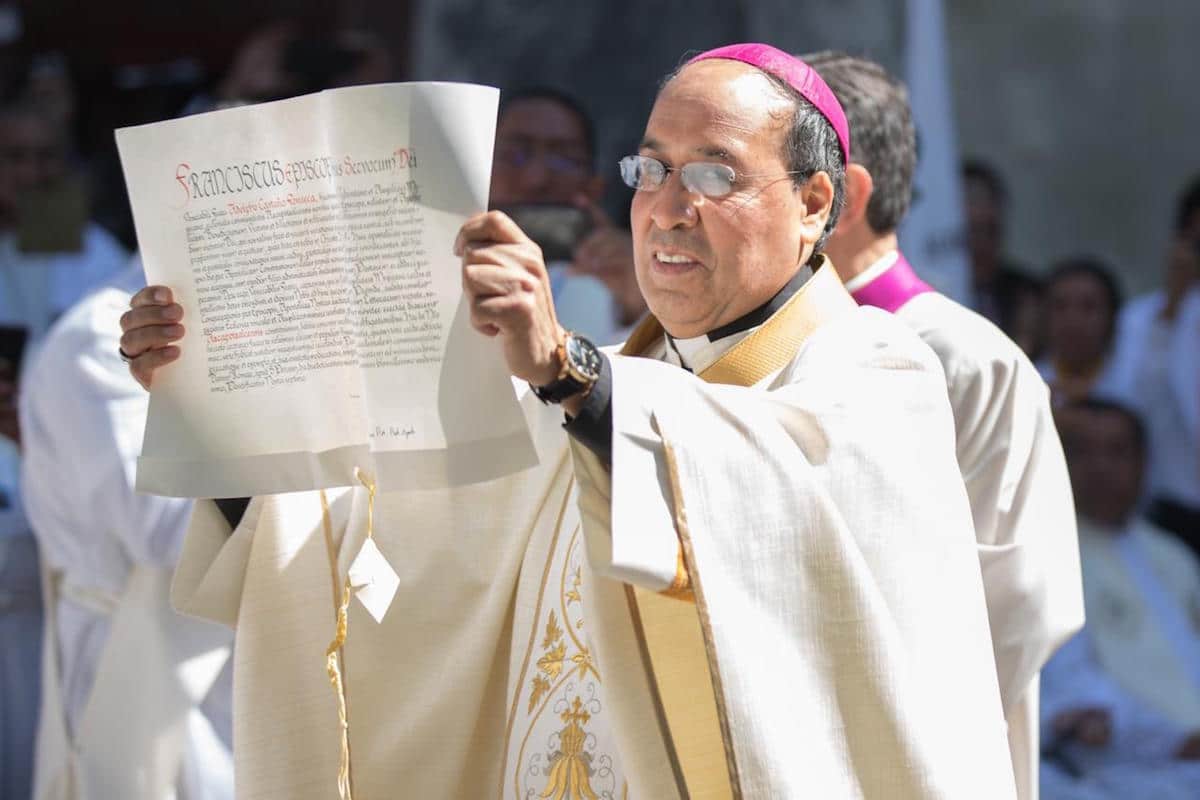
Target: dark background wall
[1092, 108]
[612, 54]
[1088, 107]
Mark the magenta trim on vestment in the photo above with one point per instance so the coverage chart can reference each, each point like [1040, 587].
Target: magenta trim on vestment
[895, 287]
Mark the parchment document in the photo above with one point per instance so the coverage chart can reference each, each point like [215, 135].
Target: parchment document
[309, 242]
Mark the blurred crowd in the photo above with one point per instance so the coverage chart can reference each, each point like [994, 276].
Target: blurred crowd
[1121, 702]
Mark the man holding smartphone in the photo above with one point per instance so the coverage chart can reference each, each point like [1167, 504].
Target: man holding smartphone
[544, 177]
[50, 257]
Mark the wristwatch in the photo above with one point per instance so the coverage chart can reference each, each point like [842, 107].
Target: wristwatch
[580, 369]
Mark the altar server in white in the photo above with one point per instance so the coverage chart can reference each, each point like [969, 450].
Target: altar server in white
[1156, 362]
[1121, 700]
[135, 697]
[50, 256]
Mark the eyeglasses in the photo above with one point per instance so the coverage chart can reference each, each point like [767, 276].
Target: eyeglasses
[518, 154]
[648, 174]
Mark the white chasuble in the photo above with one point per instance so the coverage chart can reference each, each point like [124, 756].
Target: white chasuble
[828, 543]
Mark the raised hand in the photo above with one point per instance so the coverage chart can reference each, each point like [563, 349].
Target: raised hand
[505, 280]
[150, 328]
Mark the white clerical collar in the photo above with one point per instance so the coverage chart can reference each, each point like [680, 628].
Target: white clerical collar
[872, 272]
[700, 352]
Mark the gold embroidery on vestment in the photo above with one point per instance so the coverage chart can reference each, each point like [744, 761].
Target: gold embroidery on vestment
[512, 714]
[570, 769]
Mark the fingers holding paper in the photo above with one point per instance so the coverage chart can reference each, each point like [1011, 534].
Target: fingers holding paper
[149, 330]
[506, 283]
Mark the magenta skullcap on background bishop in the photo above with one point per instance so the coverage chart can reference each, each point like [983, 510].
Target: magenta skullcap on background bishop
[796, 74]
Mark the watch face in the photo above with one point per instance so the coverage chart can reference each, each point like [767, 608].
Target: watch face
[583, 358]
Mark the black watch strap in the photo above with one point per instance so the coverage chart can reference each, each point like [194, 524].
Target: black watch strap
[580, 369]
[559, 390]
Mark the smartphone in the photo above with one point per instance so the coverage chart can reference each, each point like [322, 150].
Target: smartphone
[12, 345]
[52, 219]
[557, 229]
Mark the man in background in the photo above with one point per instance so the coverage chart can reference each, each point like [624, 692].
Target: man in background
[1007, 446]
[1121, 700]
[1156, 360]
[1003, 292]
[1082, 307]
[50, 255]
[545, 162]
[120, 714]
[1187, 214]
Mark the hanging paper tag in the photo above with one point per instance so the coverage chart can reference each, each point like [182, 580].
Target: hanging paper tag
[373, 580]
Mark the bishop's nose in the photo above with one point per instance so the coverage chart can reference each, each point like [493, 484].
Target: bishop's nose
[674, 206]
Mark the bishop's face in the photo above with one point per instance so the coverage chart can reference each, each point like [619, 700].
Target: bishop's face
[702, 262]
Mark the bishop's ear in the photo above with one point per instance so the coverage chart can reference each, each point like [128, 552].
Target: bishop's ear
[817, 196]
